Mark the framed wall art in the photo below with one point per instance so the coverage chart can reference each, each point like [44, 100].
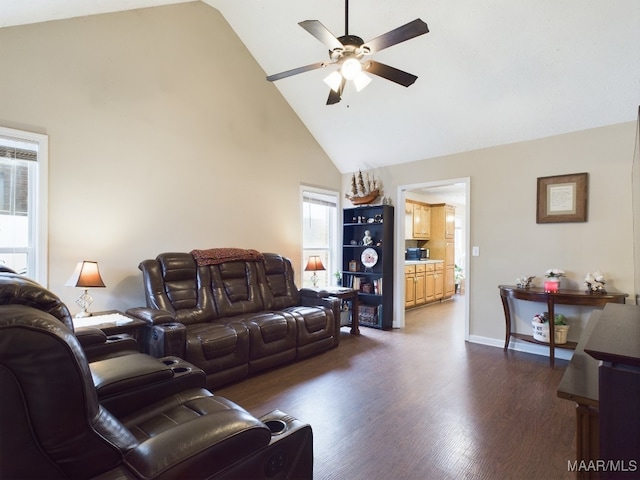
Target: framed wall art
[562, 198]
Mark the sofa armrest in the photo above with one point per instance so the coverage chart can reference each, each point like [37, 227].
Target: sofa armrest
[131, 383]
[209, 443]
[164, 336]
[98, 346]
[315, 298]
[151, 315]
[90, 336]
[313, 293]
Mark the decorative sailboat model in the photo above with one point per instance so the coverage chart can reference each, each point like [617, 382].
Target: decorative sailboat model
[361, 192]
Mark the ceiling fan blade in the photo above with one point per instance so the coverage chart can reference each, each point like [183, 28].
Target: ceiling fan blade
[318, 30]
[335, 97]
[385, 71]
[397, 35]
[296, 71]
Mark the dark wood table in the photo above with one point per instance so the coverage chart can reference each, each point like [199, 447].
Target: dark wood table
[561, 297]
[113, 322]
[579, 384]
[345, 293]
[607, 413]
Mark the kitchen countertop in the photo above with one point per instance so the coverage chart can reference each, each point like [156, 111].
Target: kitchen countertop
[419, 262]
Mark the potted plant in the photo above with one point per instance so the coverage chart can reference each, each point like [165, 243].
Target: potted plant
[458, 276]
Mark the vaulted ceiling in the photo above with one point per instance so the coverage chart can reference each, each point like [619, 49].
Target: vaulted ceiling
[490, 72]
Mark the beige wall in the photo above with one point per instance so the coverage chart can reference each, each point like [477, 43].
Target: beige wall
[503, 216]
[164, 136]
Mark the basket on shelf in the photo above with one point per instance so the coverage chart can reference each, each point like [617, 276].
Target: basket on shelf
[541, 332]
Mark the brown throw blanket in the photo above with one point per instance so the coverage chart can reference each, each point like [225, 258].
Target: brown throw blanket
[216, 256]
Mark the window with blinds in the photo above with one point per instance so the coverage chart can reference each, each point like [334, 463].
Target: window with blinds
[23, 203]
[319, 234]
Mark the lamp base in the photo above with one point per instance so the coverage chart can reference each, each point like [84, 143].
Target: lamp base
[83, 302]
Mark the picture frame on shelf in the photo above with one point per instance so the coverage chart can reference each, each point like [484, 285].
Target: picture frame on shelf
[353, 266]
[562, 198]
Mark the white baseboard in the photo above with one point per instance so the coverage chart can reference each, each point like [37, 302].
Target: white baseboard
[520, 346]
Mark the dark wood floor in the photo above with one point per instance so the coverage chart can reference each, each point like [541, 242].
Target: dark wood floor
[421, 403]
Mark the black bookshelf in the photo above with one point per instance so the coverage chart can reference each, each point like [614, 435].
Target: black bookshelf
[374, 282]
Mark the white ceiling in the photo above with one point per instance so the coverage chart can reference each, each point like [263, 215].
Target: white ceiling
[490, 72]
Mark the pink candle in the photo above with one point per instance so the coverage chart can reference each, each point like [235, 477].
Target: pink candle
[551, 287]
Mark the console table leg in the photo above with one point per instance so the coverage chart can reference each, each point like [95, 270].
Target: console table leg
[507, 320]
[552, 331]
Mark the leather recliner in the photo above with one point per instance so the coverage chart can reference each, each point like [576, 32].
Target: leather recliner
[19, 290]
[52, 425]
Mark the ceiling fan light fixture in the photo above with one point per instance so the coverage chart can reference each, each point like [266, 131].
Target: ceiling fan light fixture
[361, 80]
[348, 51]
[350, 69]
[333, 80]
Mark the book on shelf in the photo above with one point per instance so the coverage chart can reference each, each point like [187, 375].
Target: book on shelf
[352, 281]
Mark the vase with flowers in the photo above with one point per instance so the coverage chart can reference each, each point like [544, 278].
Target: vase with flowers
[595, 282]
[552, 283]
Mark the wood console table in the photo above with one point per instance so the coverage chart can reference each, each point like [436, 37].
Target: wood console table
[561, 297]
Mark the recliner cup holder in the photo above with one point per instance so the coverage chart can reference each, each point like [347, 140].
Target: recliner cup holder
[181, 369]
[277, 427]
[169, 361]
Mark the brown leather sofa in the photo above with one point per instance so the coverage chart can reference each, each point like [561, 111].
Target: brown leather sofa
[234, 316]
[53, 426]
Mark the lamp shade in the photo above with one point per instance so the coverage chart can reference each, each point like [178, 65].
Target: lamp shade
[314, 264]
[86, 275]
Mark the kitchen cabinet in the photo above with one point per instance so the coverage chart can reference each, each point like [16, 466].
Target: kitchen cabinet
[439, 281]
[415, 286]
[449, 269]
[420, 284]
[430, 283]
[442, 243]
[424, 282]
[410, 286]
[417, 221]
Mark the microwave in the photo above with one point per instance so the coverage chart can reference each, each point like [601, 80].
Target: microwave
[416, 254]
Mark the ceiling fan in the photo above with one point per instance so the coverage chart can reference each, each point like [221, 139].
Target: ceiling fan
[350, 53]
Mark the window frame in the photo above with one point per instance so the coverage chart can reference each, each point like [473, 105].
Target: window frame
[38, 261]
[332, 247]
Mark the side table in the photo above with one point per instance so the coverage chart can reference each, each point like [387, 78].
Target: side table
[113, 322]
[346, 293]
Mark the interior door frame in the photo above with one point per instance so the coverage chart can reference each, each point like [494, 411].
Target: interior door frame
[399, 283]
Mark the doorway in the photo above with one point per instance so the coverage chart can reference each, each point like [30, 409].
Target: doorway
[453, 191]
